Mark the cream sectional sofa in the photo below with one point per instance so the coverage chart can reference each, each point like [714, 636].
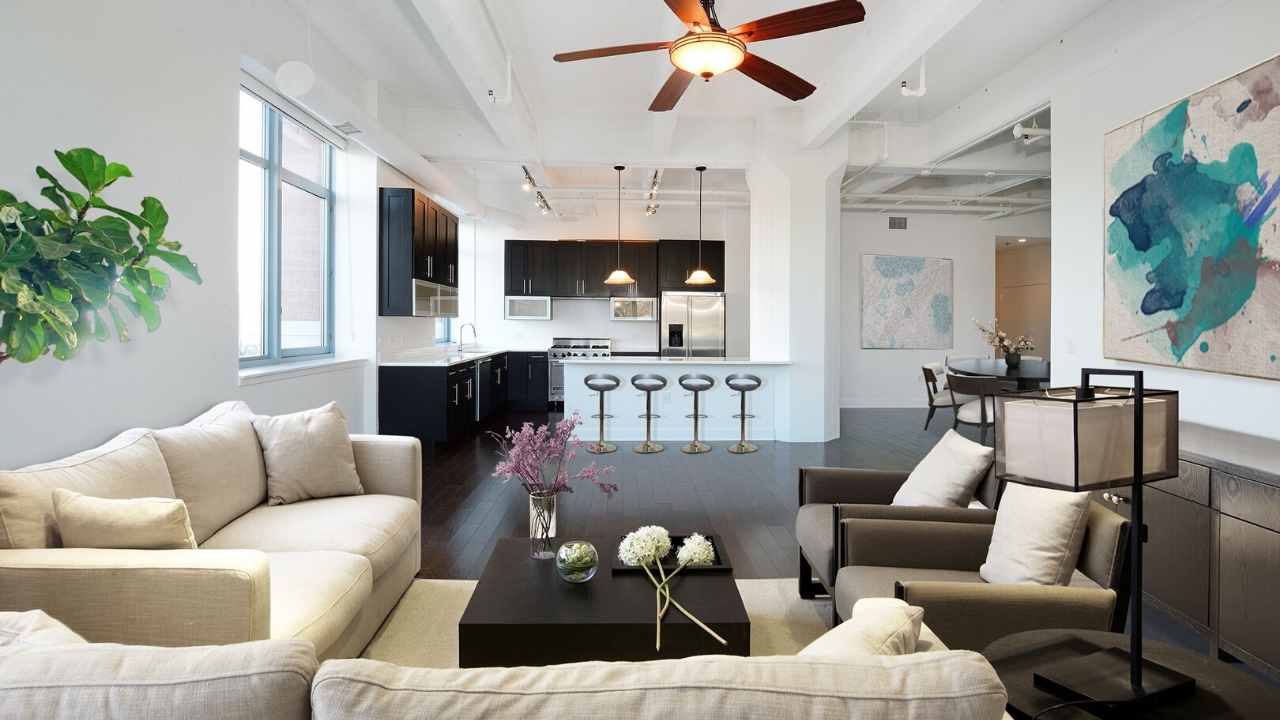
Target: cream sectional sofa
[47, 672]
[327, 571]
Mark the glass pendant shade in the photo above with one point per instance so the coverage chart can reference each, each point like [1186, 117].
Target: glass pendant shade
[619, 277]
[707, 54]
[700, 277]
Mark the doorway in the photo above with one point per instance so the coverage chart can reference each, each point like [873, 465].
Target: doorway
[1023, 289]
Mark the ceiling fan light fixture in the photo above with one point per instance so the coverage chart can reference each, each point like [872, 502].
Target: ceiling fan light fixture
[707, 54]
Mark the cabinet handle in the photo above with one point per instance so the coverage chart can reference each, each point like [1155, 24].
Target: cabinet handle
[499, 376]
[455, 394]
[468, 388]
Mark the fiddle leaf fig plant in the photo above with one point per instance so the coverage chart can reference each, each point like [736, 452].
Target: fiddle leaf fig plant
[73, 268]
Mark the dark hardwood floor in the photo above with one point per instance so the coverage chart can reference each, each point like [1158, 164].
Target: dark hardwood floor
[749, 500]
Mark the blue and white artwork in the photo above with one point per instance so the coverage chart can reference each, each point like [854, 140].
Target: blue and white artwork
[906, 302]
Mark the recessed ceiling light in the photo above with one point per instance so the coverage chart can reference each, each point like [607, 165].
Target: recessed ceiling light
[1022, 240]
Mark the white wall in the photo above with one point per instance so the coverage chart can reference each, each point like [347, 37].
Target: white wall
[482, 264]
[891, 378]
[88, 75]
[1162, 52]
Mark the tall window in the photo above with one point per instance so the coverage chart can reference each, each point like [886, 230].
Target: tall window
[285, 237]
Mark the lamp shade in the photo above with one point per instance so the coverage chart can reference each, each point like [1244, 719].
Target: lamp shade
[700, 277]
[1062, 439]
[619, 277]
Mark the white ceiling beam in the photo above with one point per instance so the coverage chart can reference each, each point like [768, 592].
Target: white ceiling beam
[1020, 211]
[465, 34]
[958, 199]
[895, 207]
[880, 49]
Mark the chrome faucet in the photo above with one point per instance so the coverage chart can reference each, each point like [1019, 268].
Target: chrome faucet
[475, 338]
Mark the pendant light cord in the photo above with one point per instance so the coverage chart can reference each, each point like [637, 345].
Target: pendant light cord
[619, 216]
[700, 171]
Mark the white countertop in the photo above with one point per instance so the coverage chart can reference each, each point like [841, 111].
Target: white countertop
[439, 357]
[672, 361]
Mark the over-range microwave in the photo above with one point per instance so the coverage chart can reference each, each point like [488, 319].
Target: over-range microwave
[527, 307]
[633, 309]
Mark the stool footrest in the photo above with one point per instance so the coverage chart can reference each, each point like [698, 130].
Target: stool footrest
[597, 416]
[648, 416]
[741, 416]
[700, 416]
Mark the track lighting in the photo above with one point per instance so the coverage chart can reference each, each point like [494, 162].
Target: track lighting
[652, 196]
[528, 184]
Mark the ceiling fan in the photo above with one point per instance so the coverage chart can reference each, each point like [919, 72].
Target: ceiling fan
[708, 49]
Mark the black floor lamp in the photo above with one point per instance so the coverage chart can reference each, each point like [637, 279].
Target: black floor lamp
[1091, 438]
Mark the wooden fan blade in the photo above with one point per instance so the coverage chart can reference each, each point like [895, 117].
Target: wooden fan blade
[690, 12]
[804, 20]
[777, 79]
[671, 91]
[608, 51]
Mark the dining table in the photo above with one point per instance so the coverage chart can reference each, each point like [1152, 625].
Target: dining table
[1028, 374]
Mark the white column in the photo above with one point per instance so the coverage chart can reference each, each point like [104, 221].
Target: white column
[795, 278]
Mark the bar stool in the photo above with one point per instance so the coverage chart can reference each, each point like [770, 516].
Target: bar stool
[696, 384]
[648, 383]
[743, 383]
[601, 384]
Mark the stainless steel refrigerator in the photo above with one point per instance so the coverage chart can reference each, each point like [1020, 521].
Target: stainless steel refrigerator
[691, 324]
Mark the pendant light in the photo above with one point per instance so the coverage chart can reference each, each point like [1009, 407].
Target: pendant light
[619, 276]
[700, 276]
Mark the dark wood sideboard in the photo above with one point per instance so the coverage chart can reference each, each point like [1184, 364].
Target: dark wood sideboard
[1212, 560]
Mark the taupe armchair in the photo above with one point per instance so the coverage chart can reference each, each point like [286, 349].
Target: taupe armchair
[934, 565]
[829, 495]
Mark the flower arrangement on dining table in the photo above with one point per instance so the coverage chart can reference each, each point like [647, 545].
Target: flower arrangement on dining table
[541, 459]
[1000, 340]
[647, 546]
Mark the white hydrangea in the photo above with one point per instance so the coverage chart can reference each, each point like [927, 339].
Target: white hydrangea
[696, 550]
[645, 546]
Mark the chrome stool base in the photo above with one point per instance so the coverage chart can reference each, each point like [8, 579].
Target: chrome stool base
[742, 448]
[600, 448]
[696, 448]
[648, 447]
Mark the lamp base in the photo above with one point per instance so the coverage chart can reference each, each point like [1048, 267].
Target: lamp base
[1104, 677]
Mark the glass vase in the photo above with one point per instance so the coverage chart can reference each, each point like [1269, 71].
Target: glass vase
[542, 525]
[1012, 359]
[577, 561]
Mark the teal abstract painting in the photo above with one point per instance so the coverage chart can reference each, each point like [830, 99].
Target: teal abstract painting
[906, 302]
[1192, 250]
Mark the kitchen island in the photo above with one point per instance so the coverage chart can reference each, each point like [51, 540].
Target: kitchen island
[673, 403]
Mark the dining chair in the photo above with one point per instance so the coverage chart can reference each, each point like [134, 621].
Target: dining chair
[980, 411]
[938, 397]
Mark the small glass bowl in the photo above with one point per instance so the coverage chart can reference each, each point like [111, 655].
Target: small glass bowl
[577, 561]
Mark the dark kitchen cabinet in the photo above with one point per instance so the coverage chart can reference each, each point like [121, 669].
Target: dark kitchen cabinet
[598, 260]
[640, 260]
[678, 258]
[433, 404]
[424, 249]
[396, 256]
[442, 232]
[498, 380]
[568, 269]
[529, 382]
[530, 267]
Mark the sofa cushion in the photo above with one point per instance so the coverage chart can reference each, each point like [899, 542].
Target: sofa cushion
[953, 684]
[816, 534]
[378, 527]
[216, 465]
[244, 681]
[948, 475]
[316, 595]
[308, 455]
[35, 627]
[866, 581]
[1037, 536]
[876, 626]
[130, 524]
[127, 466]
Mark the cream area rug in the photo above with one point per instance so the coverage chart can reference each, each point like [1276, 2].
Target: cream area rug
[423, 629]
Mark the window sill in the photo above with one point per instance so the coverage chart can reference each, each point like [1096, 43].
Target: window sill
[300, 368]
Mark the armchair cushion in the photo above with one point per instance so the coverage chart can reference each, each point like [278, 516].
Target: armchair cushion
[948, 475]
[316, 595]
[308, 455]
[35, 627]
[216, 465]
[135, 523]
[127, 466]
[815, 531]
[846, 485]
[376, 527]
[916, 543]
[1037, 536]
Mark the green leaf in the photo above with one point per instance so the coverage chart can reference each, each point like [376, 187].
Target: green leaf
[116, 231]
[18, 253]
[122, 328]
[26, 340]
[146, 306]
[7, 198]
[137, 221]
[56, 198]
[51, 249]
[182, 264]
[154, 213]
[94, 284]
[85, 165]
[100, 330]
[159, 278]
[77, 200]
[59, 294]
[115, 171]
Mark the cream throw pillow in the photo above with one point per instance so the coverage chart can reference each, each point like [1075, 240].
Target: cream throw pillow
[876, 626]
[127, 466]
[1037, 536]
[216, 466]
[133, 524]
[308, 455]
[948, 475]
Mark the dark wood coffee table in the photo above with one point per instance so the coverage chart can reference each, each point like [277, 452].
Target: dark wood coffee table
[522, 613]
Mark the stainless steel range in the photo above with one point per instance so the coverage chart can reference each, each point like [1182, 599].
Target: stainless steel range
[562, 348]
